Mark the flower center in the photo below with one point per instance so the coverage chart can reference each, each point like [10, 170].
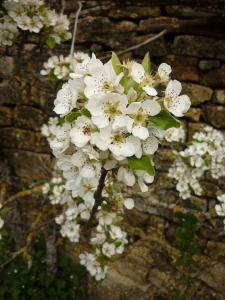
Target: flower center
[139, 118]
[112, 109]
[148, 80]
[118, 138]
[87, 130]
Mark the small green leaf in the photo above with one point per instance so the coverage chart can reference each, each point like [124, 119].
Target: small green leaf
[116, 63]
[61, 121]
[164, 120]
[127, 82]
[146, 63]
[52, 76]
[86, 112]
[71, 117]
[50, 42]
[144, 163]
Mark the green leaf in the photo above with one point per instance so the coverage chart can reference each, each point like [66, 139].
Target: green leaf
[51, 43]
[116, 63]
[164, 120]
[127, 82]
[146, 63]
[86, 112]
[71, 117]
[144, 163]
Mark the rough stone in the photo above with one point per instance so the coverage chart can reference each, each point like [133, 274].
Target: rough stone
[197, 45]
[208, 64]
[214, 78]
[215, 115]
[216, 250]
[29, 117]
[155, 48]
[194, 114]
[30, 166]
[9, 92]
[219, 96]
[6, 66]
[6, 116]
[213, 275]
[197, 93]
[194, 127]
[154, 24]
[134, 12]
[186, 11]
[183, 68]
[23, 139]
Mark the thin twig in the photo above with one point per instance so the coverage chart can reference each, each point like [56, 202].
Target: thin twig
[24, 193]
[151, 39]
[75, 28]
[134, 47]
[14, 255]
[63, 2]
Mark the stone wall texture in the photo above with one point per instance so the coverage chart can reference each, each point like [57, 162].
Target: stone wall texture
[195, 47]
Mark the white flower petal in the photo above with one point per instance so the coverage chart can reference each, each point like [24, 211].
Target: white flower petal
[151, 107]
[173, 89]
[150, 145]
[137, 72]
[129, 203]
[150, 90]
[140, 132]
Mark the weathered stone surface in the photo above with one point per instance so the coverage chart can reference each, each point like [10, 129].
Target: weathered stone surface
[183, 68]
[187, 11]
[197, 93]
[197, 45]
[29, 117]
[134, 12]
[194, 114]
[156, 48]
[216, 250]
[194, 127]
[154, 24]
[30, 166]
[164, 159]
[6, 66]
[23, 139]
[214, 78]
[215, 115]
[219, 96]
[214, 274]
[9, 92]
[6, 116]
[208, 64]
[148, 269]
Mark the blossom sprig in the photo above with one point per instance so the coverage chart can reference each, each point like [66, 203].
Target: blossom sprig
[220, 208]
[59, 67]
[111, 119]
[204, 155]
[33, 16]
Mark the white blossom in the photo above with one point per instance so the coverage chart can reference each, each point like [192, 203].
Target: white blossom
[177, 105]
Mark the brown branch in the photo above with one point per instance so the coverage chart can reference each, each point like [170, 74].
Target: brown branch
[98, 197]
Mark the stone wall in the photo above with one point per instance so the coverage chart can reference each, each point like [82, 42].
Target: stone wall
[195, 47]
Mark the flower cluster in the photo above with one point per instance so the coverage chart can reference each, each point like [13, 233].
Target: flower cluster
[220, 208]
[111, 118]
[204, 155]
[33, 16]
[175, 134]
[59, 67]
